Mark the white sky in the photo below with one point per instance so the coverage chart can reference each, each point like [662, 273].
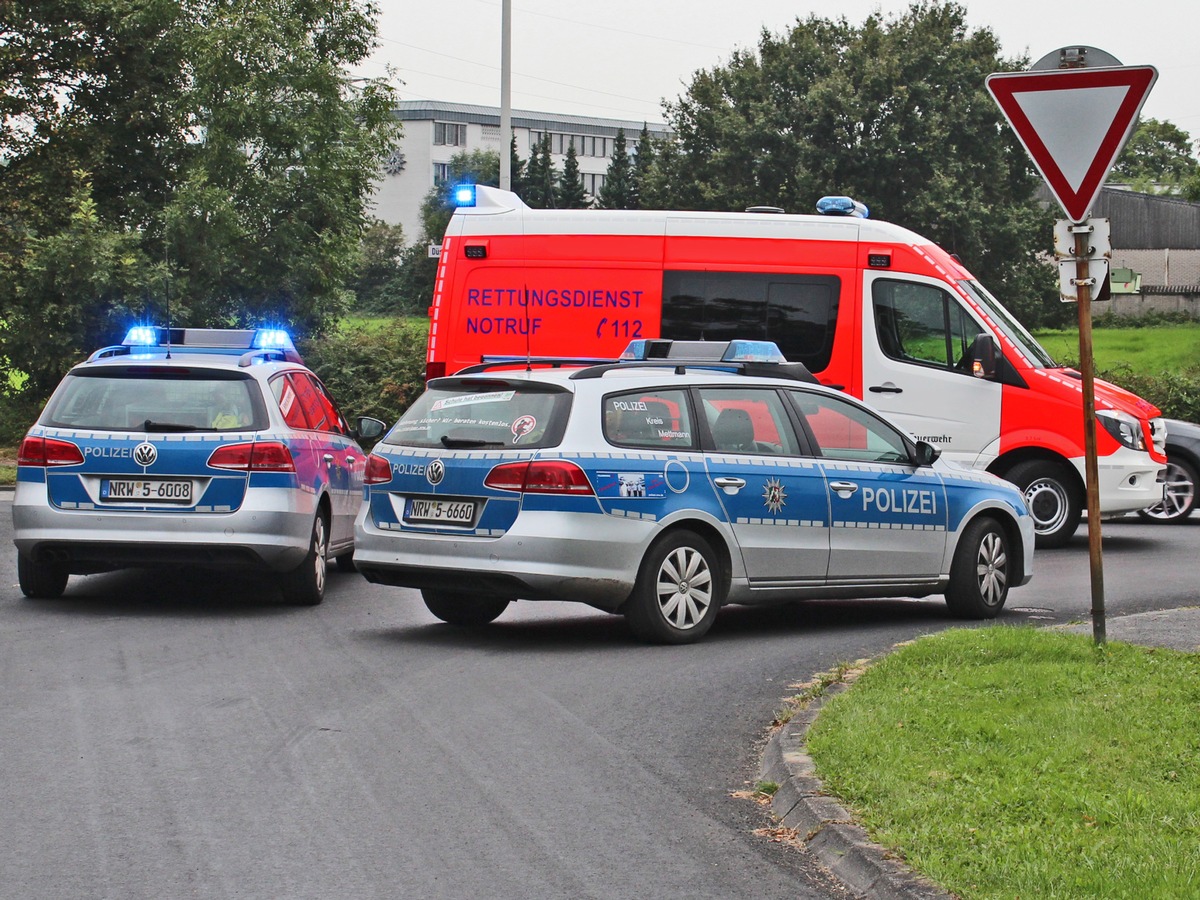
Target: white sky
[620, 58]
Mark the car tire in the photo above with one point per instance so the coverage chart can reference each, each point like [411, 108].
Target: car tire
[40, 580]
[1179, 494]
[1053, 500]
[345, 562]
[981, 571]
[463, 610]
[305, 584]
[678, 591]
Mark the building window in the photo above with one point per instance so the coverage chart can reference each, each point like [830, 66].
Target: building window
[593, 184]
[491, 132]
[447, 134]
[441, 173]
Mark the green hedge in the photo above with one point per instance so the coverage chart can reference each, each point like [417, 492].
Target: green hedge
[1177, 394]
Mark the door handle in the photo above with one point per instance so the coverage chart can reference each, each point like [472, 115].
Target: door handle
[350, 459]
[729, 484]
[843, 488]
[886, 388]
[328, 457]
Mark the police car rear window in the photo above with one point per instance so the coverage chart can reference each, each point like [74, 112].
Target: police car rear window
[149, 401]
[484, 415]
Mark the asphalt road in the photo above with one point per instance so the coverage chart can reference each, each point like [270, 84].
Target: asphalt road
[188, 735]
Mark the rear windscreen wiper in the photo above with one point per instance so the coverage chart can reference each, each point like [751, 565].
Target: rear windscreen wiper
[151, 425]
[467, 443]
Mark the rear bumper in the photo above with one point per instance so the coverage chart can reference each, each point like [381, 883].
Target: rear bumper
[268, 532]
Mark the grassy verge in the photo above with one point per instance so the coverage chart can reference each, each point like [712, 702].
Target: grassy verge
[8, 466]
[1013, 762]
[1162, 348]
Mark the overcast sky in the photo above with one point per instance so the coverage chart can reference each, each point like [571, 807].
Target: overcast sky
[620, 58]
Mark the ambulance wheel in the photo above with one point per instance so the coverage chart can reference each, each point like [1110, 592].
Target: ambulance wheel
[40, 580]
[463, 610]
[305, 585]
[678, 591]
[1179, 494]
[980, 572]
[1053, 500]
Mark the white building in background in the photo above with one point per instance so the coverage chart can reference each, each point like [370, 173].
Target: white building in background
[435, 132]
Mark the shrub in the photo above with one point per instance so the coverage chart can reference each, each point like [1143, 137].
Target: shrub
[1177, 394]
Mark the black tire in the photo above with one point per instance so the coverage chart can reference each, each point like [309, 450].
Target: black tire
[1179, 494]
[305, 584]
[41, 581]
[1053, 498]
[463, 610]
[345, 562]
[678, 591]
[981, 571]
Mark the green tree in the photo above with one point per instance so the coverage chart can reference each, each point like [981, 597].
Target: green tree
[516, 168]
[376, 279]
[643, 160]
[617, 192]
[1158, 158]
[215, 152]
[571, 194]
[540, 177]
[893, 112]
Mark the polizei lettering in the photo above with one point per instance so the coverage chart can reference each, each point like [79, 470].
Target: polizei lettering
[900, 500]
[122, 452]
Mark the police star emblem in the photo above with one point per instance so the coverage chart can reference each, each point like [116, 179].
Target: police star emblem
[774, 496]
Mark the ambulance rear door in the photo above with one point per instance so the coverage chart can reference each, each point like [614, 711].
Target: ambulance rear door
[917, 337]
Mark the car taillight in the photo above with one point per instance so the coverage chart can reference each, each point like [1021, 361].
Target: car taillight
[262, 456]
[378, 471]
[434, 370]
[44, 452]
[547, 476]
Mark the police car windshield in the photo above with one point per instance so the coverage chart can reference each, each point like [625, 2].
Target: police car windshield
[1013, 330]
[122, 400]
[471, 415]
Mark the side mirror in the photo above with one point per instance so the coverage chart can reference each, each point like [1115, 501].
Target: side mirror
[983, 356]
[368, 428]
[926, 454]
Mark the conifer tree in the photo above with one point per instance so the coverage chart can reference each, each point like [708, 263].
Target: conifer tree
[571, 194]
[642, 161]
[617, 192]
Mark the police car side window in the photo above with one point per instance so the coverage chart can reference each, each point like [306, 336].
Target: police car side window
[747, 420]
[655, 420]
[289, 404]
[845, 431]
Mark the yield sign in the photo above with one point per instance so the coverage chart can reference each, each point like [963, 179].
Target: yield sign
[1073, 123]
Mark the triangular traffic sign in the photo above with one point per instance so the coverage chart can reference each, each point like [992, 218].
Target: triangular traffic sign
[1073, 123]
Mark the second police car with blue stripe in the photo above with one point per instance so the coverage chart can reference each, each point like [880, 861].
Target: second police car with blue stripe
[189, 447]
[663, 487]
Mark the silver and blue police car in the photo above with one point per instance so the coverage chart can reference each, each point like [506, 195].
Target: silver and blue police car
[665, 486]
[189, 447]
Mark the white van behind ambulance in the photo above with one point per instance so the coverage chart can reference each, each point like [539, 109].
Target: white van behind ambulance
[868, 307]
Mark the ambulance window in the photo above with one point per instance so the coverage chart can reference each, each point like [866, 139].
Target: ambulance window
[921, 323]
[797, 312]
[842, 430]
[747, 420]
[655, 419]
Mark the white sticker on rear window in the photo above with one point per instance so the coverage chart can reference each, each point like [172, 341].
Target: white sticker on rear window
[462, 400]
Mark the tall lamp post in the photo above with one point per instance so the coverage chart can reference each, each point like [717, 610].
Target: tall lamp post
[505, 98]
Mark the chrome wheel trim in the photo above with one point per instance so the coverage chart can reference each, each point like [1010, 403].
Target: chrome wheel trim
[1178, 495]
[684, 588]
[320, 548]
[992, 569]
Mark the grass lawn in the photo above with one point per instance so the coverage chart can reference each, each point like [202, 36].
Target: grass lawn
[1016, 762]
[1162, 348]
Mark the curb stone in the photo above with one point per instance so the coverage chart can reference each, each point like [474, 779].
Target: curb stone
[825, 827]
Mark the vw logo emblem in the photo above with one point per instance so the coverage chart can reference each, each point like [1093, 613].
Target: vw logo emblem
[435, 472]
[144, 454]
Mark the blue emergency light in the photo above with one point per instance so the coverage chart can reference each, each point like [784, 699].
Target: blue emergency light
[272, 339]
[464, 195]
[842, 206]
[714, 351]
[141, 336]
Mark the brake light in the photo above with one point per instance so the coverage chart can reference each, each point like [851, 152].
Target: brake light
[434, 370]
[46, 452]
[378, 471]
[260, 456]
[546, 476]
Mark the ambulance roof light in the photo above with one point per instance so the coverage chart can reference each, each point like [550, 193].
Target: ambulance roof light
[842, 206]
[464, 195]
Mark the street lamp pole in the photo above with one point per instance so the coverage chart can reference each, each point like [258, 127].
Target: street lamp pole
[505, 98]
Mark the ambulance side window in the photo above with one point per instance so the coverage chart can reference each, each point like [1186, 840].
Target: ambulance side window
[922, 324]
[842, 430]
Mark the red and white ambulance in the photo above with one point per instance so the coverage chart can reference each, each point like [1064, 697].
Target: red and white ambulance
[869, 307]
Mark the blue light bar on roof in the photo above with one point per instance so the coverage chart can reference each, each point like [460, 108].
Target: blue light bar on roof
[141, 336]
[464, 195]
[715, 351]
[272, 339]
[842, 206]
